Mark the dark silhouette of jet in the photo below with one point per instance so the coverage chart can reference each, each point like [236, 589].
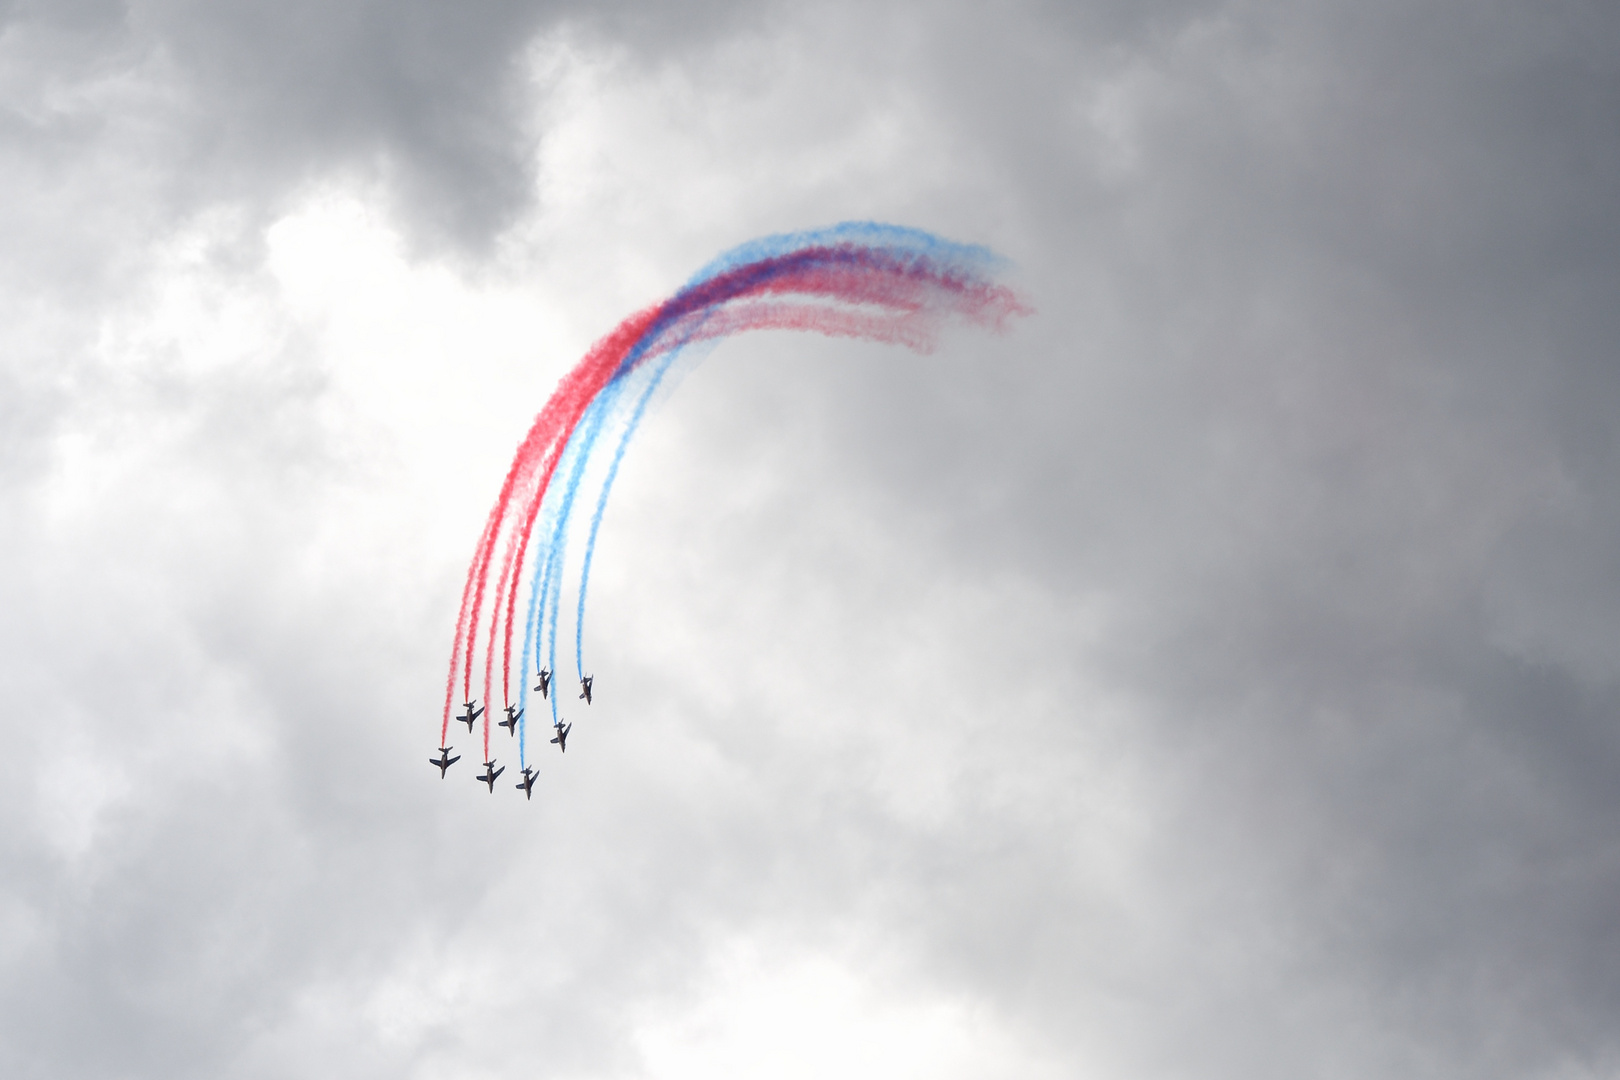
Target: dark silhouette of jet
[527, 786]
[512, 715]
[491, 774]
[544, 685]
[472, 715]
[444, 760]
[585, 687]
[561, 738]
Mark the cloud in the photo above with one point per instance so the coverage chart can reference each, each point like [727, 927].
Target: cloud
[1213, 675]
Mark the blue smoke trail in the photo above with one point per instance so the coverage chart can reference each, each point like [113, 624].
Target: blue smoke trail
[544, 556]
[601, 502]
[551, 579]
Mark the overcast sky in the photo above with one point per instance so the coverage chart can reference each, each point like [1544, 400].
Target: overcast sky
[1216, 676]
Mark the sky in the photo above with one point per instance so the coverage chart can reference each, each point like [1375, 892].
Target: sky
[1215, 675]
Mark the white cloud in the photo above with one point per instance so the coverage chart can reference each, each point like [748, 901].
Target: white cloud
[762, 1010]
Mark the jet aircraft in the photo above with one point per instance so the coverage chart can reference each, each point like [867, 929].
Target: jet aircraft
[561, 738]
[585, 687]
[444, 760]
[544, 685]
[472, 715]
[527, 784]
[513, 714]
[491, 774]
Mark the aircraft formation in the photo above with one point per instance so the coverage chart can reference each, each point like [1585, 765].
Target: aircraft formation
[526, 586]
[514, 715]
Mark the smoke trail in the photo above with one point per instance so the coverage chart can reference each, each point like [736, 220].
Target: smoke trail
[601, 503]
[861, 280]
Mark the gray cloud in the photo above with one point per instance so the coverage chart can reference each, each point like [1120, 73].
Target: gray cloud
[1306, 434]
[1212, 676]
[250, 101]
